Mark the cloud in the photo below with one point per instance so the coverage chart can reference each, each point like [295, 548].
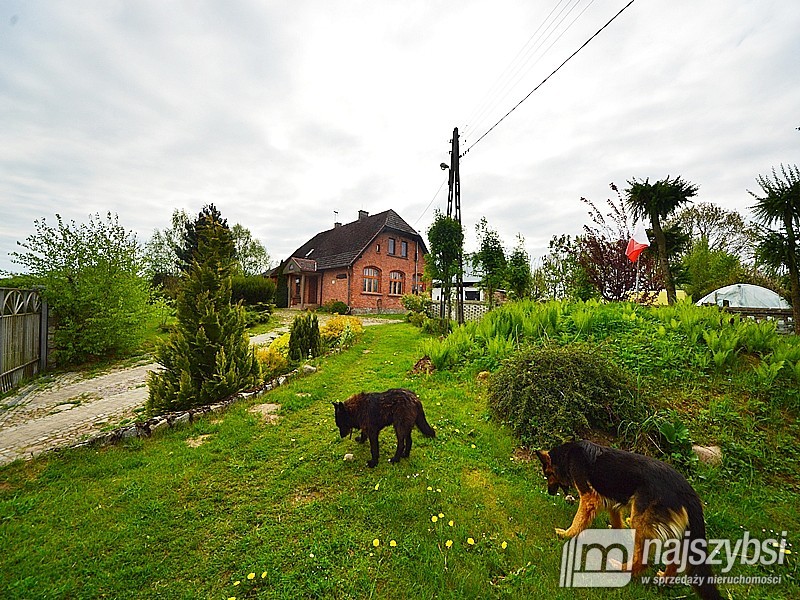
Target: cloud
[281, 113]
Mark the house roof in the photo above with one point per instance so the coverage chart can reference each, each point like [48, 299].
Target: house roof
[342, 245]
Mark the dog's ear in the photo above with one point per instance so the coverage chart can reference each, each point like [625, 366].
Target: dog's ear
[544, 458]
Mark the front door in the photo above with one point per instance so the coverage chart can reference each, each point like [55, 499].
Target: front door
[311, 290]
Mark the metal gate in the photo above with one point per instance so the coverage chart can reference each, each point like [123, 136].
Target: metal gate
[23, 336]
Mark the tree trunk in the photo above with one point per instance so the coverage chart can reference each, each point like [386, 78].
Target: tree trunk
[794, 272]
[663, 261]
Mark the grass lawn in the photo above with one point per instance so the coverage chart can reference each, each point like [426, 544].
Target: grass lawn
[232, 506]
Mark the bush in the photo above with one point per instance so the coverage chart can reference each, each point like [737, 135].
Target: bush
[552, 394]
[273, 362]
[304, 339]
[336, 307]
[258, 314]
[281, 344]
[415, 303]
[341, 331]
[252, 290]
[90, 275]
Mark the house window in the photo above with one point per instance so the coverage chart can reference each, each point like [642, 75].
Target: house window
[404, 249]
[396, 283]
[391, 246]
[418, 283]
[372, 280]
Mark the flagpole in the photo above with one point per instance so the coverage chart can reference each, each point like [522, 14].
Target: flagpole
[637, 277]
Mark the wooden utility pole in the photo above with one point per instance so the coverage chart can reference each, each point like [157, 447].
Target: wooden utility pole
[454, 211]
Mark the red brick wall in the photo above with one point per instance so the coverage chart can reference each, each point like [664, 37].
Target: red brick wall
[360, 301]
[334, 286]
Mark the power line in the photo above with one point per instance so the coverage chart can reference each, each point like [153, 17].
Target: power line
[560, 35]
[570, 57]
[520, 66]
[429, 203]
[500, 84]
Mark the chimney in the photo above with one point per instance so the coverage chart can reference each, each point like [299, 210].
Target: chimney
[337, 224]
[336, 219]
[362, 214]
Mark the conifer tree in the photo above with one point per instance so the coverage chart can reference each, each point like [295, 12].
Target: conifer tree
[208, 356]
[304, 338]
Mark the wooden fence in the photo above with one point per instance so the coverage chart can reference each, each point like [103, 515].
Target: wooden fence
[23, 336]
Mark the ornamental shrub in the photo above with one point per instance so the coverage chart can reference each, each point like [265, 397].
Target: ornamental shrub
[550, 394]
[341, 331]
[272, 361]
[252, 290]
[208, 356]
[304, 338]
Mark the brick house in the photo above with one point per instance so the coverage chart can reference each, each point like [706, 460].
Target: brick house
[368, 264]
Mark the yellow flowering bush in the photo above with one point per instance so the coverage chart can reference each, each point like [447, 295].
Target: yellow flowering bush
[341, 330]
[281, 344]
[273, 362]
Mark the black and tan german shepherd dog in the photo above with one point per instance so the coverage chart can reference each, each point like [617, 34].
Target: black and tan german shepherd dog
[372, 411]
[663, 505]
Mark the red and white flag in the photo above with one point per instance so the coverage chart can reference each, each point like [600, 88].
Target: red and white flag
[637, 243]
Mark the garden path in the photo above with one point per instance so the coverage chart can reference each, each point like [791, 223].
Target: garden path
[55, 411]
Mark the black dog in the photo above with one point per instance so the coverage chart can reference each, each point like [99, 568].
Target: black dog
[371, 412]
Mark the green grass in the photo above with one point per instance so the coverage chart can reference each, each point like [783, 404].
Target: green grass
[157, 518]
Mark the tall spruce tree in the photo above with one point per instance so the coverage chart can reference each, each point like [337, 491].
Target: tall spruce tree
[208, 356]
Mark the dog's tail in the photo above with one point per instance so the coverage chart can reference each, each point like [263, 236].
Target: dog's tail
[698, 567]
[423, 424]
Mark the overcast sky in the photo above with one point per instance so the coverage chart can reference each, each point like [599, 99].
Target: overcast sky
[282, 112]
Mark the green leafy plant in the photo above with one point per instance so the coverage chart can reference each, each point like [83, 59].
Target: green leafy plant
[90, 276]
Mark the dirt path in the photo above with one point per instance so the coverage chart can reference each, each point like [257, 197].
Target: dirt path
[53, 412]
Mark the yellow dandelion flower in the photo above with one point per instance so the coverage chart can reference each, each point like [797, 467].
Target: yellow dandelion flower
[448, 543]
[263, 575]
[785, 551]
[393, 544]
[236, 582]
[376, 542]
[441, 515]
[451, 522]
[251, 575]
[434, 518]
[470, 541]
[430, 489]
[472, 446]
[377, 485]
[504, 545]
